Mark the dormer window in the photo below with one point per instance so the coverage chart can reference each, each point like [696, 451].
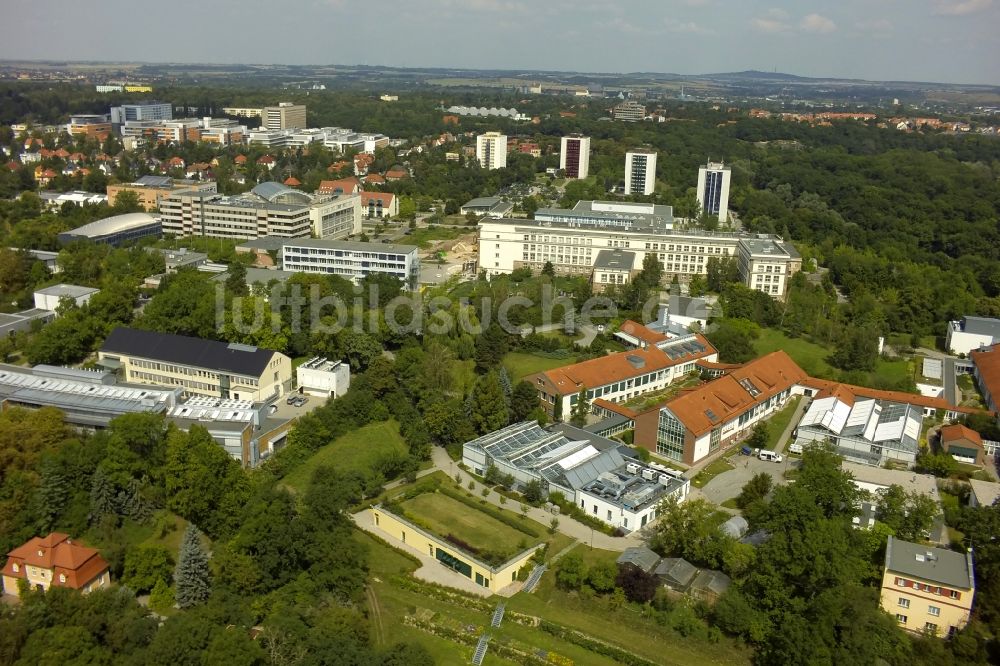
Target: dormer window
[62, 578]
[41, 553]
[15, 567]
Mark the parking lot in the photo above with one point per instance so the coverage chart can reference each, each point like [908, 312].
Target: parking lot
[286, 411]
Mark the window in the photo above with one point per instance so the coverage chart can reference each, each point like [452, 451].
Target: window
[15, 567]
[901, 618]
[901, 582]
[609, 514]
[62, 578]
[904, 602]
[595, 509]
[931, 627]
[934, 611]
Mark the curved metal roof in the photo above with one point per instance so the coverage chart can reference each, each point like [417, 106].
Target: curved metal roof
[114, 225]
[279, 193]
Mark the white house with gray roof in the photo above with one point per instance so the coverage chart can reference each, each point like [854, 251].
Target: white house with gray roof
[971, 333]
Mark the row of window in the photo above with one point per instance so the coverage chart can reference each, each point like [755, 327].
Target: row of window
[930, 589]
[934, 611]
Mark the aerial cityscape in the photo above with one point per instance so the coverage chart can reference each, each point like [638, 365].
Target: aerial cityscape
[643, 333]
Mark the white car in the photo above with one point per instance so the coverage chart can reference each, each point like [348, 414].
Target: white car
[600, 328]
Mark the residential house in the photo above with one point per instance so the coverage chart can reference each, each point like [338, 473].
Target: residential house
[342, 186]
[378, 205]
[963, 444]
[929, 590]
[55, 561]
[971, 333]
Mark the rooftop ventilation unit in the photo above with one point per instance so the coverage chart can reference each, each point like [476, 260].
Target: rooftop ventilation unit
[649, 474]
[632, 468]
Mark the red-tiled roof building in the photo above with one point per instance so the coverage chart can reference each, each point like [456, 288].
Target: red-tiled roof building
[963, 444]
[702, 421]
[621, 376]
[55, 561]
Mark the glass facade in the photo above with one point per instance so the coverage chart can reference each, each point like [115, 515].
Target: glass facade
[713, 192]
[670, 436]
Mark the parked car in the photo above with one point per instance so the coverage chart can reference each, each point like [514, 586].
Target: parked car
[745, 451]
[770, 455]
[292, 398]
[795, 447]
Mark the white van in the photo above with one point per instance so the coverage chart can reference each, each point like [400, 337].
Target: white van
[770, 455]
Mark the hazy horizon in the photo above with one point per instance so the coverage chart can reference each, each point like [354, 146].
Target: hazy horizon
[945, 41]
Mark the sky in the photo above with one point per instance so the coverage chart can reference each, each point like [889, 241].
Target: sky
[950, 41]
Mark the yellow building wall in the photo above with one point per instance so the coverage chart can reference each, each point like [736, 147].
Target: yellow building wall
[954, 612]
[496, 579]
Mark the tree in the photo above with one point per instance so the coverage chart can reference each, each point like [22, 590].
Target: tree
[857, 349]
[147, 565]
[758, 437]
[908, 514]
[638, 585]
[570, 572]
[821, 475]
[488, 408]
[533, 491]
[602, 576]
[580, 411]
[734, 339]
[690, 530]
[127, 201]
[192, 579]
[161, 598]
[548, 269]
[490, 348]
[523, 401]
[755, 490]
[236, 280]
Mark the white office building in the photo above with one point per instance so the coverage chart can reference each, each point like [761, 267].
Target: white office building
[713, 190]
[971, 333]
[767, 264]
[574, 156]
[323, 378]
[640, 172]
[352, 260]
[284, 116]
[141, 111]
[50, 298]
[270, 209]
[491, 150]
[572, 239]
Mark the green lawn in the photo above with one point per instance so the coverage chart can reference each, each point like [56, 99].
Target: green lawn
[520, 365]
[357, 450]
[810, 356]
[445, 515]
[712, 470]
[776, 424]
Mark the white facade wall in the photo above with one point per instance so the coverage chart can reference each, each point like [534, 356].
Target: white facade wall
[508, 244]
[640, 172]
[491, 150]
[960, 342]
[707, 185]
[584, 163]
[337, 218]
[332, 382]
[45, 301]
[769, 275]
[352, 263]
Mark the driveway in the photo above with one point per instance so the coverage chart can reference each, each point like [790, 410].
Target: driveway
[729, 484]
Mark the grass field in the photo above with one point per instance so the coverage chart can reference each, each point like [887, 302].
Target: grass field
[520, 365]
[811, 357]
[445, 515]
[356, 450]
[712, 470]
[422, 238]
